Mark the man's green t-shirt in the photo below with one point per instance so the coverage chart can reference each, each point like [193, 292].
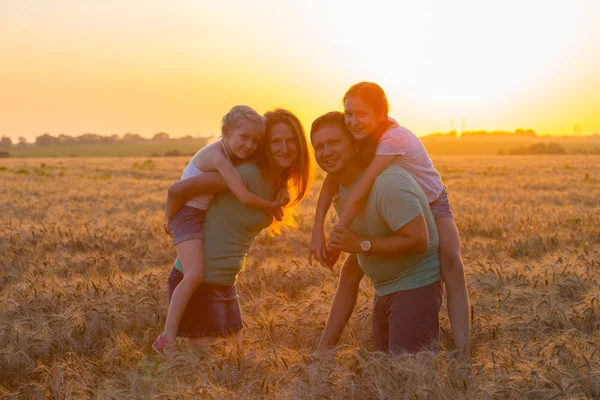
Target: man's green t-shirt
[395, 200]
[230, 229]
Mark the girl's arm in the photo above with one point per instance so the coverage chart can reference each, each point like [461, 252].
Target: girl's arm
[360, 192]
[317, 243]
[181, 191]
[234, 181]
[343, 303]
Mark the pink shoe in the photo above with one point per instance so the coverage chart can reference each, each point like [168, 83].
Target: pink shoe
[161, 344]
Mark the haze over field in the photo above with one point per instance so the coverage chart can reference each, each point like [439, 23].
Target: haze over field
[148, 66]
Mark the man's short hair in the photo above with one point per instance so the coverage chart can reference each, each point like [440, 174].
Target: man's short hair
[334, 118]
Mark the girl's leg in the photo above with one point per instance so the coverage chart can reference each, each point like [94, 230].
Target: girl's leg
[237, 339]
[454, 277]
[191, 256]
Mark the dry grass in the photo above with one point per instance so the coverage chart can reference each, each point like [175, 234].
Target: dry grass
[84, 262]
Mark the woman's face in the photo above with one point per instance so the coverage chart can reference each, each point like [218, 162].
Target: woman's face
[283, 145]
[361, 119]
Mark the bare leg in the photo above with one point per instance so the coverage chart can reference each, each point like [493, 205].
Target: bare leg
[191, 256]
[454, 277]
[237, 338]
[343, 303]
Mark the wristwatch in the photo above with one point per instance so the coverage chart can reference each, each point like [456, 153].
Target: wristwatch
[365, 246]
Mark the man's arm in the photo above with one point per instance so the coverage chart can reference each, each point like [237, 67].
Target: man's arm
[399, 204]
[412, 238]
[343, 304]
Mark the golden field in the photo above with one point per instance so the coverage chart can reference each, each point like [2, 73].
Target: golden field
[84, 263]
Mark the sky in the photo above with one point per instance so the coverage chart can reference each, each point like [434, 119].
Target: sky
[178, 66]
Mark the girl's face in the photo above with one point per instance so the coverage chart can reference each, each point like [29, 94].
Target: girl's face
[283, 145]
[243, 139]
[361, 119]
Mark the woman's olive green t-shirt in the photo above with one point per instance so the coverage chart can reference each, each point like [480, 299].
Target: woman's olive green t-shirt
[231, 227]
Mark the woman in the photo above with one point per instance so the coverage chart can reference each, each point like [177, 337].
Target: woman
[231, 227]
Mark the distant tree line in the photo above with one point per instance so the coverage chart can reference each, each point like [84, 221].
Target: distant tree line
[518, 133]
[46, 139]
[549, 148]
[539, 148]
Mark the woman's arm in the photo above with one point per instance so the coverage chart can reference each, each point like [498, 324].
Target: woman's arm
[234, 181]
[317, 243]
[181, 191]
[361, 191]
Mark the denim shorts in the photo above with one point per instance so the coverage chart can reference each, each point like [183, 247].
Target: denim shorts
[408, 320]
[188, 224]
[213, 310]
[440, 207]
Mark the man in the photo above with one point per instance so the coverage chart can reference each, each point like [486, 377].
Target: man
[393, 240]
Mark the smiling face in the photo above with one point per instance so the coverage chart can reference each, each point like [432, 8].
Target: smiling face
[243, 139]
[283, 145]
[334, 149]
[362, 120]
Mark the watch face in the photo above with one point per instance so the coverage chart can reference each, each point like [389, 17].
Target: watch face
[365, 245]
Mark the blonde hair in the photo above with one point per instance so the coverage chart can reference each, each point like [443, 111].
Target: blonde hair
[239, 114]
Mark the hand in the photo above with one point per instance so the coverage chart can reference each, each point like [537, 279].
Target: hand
[274, 211]
[331, 257]
[283, 197]
[317, 248]
[344, 239]
[167, 227]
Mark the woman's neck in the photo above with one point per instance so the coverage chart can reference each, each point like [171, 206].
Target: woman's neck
[273, 173]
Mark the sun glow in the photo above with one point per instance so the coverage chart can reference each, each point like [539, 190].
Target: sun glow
[142, 66]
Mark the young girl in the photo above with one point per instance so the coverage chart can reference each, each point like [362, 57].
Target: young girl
[242, 129]
[382, 142]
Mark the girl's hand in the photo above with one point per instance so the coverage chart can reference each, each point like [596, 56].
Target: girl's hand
[274, 211]
[317, 248]
[283, 197]
[167, 227]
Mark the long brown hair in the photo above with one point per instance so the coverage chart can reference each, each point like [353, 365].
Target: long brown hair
[300, 175]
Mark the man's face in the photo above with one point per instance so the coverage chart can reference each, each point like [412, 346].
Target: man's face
[334, 149]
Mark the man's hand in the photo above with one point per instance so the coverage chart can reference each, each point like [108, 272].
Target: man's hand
[343, 239]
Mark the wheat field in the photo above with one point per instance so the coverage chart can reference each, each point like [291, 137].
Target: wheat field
[84, 263]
